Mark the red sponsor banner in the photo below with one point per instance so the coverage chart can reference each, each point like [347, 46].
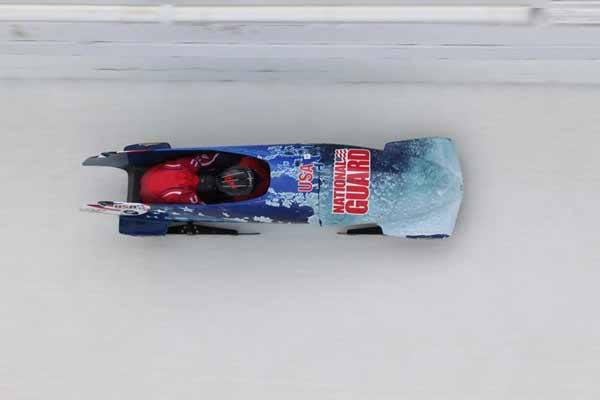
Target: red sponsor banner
[351, 181]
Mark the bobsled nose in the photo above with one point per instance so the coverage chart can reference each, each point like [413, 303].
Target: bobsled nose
[428, 188]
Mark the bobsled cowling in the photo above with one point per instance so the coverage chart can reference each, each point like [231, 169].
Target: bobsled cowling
[411, 188]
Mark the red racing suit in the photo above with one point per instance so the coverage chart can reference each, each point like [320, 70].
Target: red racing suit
[175, 181]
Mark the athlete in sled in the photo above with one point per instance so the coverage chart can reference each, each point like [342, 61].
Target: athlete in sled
[203, 178]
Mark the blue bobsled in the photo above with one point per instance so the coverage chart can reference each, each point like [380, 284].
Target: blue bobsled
[411, 188]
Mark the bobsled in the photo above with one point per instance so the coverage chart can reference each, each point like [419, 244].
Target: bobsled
[412, 188]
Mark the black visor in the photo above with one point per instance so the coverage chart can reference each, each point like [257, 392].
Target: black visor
[236, 181]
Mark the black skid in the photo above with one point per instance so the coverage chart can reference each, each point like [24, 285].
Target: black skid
[368, 230]
[438, 236]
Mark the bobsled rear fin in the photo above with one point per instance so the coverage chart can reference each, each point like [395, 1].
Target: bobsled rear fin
[108, 159]
[116, 208]
[147, 146]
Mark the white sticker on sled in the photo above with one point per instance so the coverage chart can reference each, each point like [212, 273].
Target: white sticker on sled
[117, 208]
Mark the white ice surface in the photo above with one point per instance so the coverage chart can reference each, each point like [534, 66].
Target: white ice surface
[506, 309]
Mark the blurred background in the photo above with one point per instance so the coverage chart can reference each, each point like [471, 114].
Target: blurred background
[506, 308]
